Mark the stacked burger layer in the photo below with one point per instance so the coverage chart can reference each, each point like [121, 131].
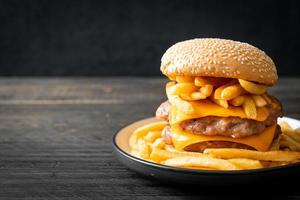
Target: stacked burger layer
[217, 96]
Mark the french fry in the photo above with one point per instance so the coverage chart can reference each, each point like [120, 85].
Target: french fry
[245, 163]
[284, 143]
[181, 104]
[253, 88]
[186, 97]
[142, 131]
[181, 88]
[202, 81]
[144, 149]
[158, 144]
[285, 127]
[237, 101]
[184, 79]
[161, 155]
[249, 107]
[231, 92]
[206, 90]
[292, 135]
[171, 148]
[228, 153]
[200, 168]
[265, 96]
[220, 102]
[152, 135]
[169, 85]
[259, 100]
[206, 162]
[197, 96]
[291, 142]
[219, 90]
[175, 100]
[290, 138]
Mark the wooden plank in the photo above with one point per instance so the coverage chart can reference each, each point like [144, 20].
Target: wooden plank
[85, 91]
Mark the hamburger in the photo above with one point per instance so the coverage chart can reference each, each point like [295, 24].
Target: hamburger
[217, 96]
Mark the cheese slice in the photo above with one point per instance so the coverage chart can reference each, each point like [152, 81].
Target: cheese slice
[260, 142]
[207, 108]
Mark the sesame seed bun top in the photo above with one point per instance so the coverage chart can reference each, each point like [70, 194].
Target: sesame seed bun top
[219, 58]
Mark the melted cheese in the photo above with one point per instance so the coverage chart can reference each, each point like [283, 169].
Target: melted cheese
[207, 108]
[260, 142]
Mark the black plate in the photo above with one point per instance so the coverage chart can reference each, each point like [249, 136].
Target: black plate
[191, 176]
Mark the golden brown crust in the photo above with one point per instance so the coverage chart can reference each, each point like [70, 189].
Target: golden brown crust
[219, 58]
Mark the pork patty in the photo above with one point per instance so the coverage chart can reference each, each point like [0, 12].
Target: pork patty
[234, 127]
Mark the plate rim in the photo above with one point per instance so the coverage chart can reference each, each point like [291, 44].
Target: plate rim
[195, 171]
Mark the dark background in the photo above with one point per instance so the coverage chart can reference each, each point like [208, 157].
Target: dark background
[99, 38]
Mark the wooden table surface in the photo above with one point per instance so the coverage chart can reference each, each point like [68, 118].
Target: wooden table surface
[56, 138]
